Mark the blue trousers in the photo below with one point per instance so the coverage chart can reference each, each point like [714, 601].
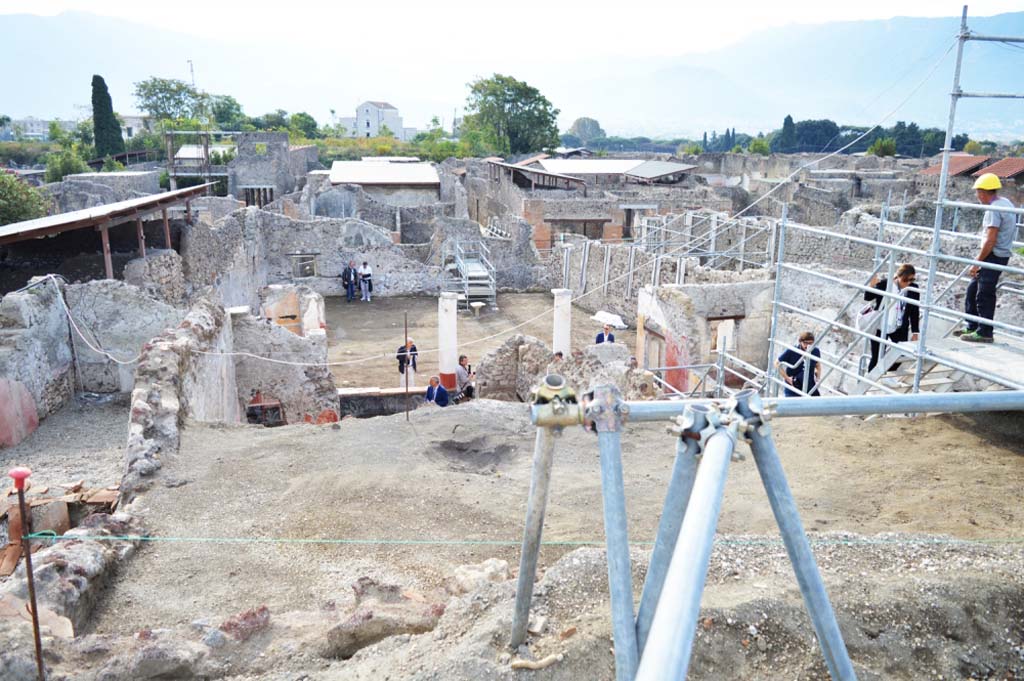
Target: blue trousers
[350, 291]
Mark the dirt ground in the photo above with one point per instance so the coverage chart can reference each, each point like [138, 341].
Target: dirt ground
[360, 329]
[407, 502]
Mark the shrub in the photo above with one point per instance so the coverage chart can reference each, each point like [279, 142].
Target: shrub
[883, 146]
[64, 162]
[18, 200]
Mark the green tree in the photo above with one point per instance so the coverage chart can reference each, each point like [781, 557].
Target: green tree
[586, 129]
[883, 146]
[65, 162]
[59, 135]
[304, 124]
[691, 149]
[105, 126]
[759, 145]
[973, 147]
[111, 166]
[167, 98]
[514, 117]
[785, 141]
[736, 149]
[18, 200]
[227, 112]
[83, 134]
[385, 131]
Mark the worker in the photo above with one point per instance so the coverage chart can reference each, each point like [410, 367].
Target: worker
[606, 336]
[406, 357]
[436, 392]
[791, 366]
[999, 229]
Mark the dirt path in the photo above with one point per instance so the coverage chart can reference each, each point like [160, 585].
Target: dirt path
[462, 473]
[362, 329]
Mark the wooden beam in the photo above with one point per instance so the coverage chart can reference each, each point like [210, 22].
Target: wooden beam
[167, 229]
[108, 263]
[141, 234]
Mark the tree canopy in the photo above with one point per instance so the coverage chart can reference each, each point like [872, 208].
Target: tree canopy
[167, 98]
[18, 200]
[586, 129]
[512, 116]
[106, 129]
[227, 112]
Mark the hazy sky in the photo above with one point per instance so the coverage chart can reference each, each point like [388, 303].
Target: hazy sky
[403, 28]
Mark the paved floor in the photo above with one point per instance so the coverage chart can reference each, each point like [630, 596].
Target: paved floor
[358, 330]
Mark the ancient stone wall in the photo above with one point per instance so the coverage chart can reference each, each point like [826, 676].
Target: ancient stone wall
[159, 275]
[119, 319]
[85, 190]
[36, 360]
[306, 393]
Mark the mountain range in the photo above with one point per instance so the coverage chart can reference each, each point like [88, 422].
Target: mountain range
[853, 72]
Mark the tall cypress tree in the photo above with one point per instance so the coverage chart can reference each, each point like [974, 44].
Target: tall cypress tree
[104, 122]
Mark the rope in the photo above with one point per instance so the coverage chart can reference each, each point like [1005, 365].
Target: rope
[822, 541]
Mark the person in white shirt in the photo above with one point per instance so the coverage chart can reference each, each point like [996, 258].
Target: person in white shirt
[366, 281]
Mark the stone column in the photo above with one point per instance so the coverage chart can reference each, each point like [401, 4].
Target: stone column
[447, 338]
[562, 331]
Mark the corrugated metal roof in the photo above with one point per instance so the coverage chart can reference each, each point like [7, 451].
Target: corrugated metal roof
[650, 170]
[537, 171]
[590, 166]
[958, 165]
[375, 172]
[194, 152]
[98, 214]
[1004, 168]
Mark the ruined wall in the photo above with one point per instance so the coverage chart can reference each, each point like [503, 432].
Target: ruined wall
[175, 380]
[229, 256]
[118, 318]
[36, 369]
[404, 195]
[159, 275]
[306, 393]
[299, 309]
[517, 265]
[85, 190]
[512, 370]
[263, 159]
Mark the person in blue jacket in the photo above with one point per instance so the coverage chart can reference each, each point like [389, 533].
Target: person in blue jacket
[436, 392]
[605, 336]
[792, 366]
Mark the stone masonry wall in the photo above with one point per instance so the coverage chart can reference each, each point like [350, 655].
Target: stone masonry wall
[307, 393]
[118, 318]
[159, 275]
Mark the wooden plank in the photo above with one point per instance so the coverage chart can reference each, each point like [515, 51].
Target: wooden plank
[103, 496]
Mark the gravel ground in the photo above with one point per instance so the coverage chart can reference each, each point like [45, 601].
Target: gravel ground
[83, 441]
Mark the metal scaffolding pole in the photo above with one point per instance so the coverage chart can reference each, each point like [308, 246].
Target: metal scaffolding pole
[933, 260]
[680, 485]
[540, 483]
[667, 653]
[776, 297]
[606, 412]
[780, 497]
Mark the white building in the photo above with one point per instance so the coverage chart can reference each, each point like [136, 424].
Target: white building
[32, 128]
[133, 125]
[372, 117]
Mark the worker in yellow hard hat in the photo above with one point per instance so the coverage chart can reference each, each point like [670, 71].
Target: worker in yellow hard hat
[998, 232]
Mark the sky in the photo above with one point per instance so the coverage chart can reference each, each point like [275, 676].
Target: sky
[400, 29]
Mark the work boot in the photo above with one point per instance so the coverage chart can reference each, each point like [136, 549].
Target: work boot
[964, 330]
[974, 337]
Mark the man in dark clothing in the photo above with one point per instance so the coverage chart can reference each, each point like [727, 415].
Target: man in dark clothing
[791, 366]
[606, 336]
[436, 392]
[348, 280]
[406, 357]
[900, 324]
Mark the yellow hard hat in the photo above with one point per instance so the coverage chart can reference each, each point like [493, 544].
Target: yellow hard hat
[989, 181]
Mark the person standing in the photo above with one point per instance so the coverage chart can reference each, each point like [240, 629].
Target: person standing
[348, 280]
[406, 357]
[999, 230]
[792, 366]
[900, 324]
[436, 392]
[464, 376]
[606, 335]
[366, 281]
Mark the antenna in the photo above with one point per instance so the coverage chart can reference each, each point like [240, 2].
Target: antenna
[192, 71]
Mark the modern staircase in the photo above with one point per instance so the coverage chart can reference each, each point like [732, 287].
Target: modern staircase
[466, 270]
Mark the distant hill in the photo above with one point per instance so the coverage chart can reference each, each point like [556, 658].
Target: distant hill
[851, 72]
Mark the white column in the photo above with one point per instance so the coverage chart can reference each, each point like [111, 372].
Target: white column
[447, 338]
[563, 321]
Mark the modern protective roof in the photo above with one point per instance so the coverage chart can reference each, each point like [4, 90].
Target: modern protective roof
[391, 159]
[110, 213]
[375, 172]
[536, 171]
[1004, 168]
[652, 170]
[590, 166]
[194, 152]
[958, 165]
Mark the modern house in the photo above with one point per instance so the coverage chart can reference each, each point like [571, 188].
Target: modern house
[373, 117]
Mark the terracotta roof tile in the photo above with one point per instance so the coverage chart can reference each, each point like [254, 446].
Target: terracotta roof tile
[1005, 168]
[958, 165]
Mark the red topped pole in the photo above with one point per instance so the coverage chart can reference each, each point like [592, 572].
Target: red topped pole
[20, 476]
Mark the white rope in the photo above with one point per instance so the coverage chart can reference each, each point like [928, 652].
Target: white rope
[85, 339]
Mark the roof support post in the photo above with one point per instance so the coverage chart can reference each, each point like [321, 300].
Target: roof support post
[188, 213]
[108, 264]
[167, 229]
[141, 235]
